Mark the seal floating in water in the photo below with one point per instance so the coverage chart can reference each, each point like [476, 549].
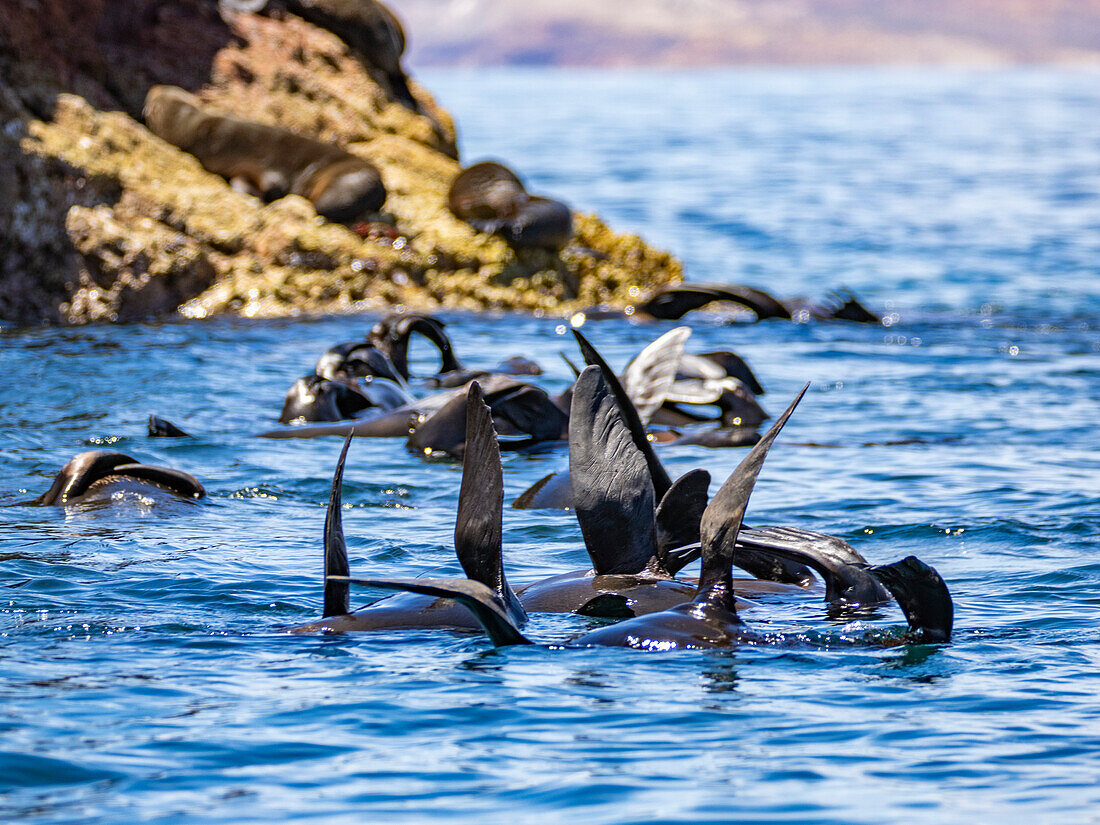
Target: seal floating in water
[710, 619]
[491, 198]
[266, 161]
[99, 474]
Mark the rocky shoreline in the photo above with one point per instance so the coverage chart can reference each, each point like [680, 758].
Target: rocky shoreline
[100, 220]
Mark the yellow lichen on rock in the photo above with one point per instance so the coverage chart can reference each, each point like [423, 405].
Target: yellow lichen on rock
[155, 233]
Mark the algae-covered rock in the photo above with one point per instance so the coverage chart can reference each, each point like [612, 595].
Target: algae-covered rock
[108, 222]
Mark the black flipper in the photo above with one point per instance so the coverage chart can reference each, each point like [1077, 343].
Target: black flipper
[336, 551]
[679, 515]
[479, 524]
[922, 596]
[722, 518]
[570, 364]
[391, 335]
[551, 492]
[476, 597]
[612, 490]
[657, 472]
[177, 481]
[735, 366]
[846, 573]
[163, 428]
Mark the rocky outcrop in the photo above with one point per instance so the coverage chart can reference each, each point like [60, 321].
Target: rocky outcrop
[102, 220]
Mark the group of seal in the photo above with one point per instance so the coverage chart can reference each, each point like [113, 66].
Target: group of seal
[266, 161]
[630, 579]
[640, 528]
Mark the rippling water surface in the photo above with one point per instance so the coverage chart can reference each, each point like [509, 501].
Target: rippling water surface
[143, 674]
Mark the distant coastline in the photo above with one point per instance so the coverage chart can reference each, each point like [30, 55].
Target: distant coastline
[703, 33]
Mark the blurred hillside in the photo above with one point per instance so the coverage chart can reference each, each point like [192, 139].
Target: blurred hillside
[762, 32]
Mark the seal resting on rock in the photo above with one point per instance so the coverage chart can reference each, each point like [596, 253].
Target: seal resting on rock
[266, 161]
[490, 198]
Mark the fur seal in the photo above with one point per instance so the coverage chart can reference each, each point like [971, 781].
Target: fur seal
[673, 302]
[490, 197]
[266, 161]
[98, 474]
[710, 618]
[315, 398]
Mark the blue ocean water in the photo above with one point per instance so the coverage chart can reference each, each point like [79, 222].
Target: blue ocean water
[144, 675]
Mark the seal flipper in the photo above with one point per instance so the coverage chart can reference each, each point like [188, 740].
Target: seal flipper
[478, 526]
[722, 519]
[612, 489]
[679, 515]
[845, 572]
[336, 551]
[735, 366]
[163, 428]
[476, 597]
[922, 595]
[649, 374]
[657, 472]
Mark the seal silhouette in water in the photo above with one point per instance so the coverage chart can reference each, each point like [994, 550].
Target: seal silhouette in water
[490, 198]
[710, 618]
[98, 474]
[266, 161]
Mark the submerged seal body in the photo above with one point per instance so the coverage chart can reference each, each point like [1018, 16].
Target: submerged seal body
[98, 474]
[491, 198]
[266, 161]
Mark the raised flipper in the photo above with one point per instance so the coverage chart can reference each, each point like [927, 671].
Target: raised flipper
[612, 490]
[336, 550]
[721, 520]
[486, 606]
[679, 515]
[391, 335]
[478, 526]
[651, 372]
[922, 595]
[551, 492]
[163, 428]
[845, 572]
[570, 364]
[844, 306]
[735, 366]
[657, 472]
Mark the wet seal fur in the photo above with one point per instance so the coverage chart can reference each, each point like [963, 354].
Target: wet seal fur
[266, 161]
[491, 198]
[98, 473]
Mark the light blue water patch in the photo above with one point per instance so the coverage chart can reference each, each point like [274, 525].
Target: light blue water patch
[145, 675]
